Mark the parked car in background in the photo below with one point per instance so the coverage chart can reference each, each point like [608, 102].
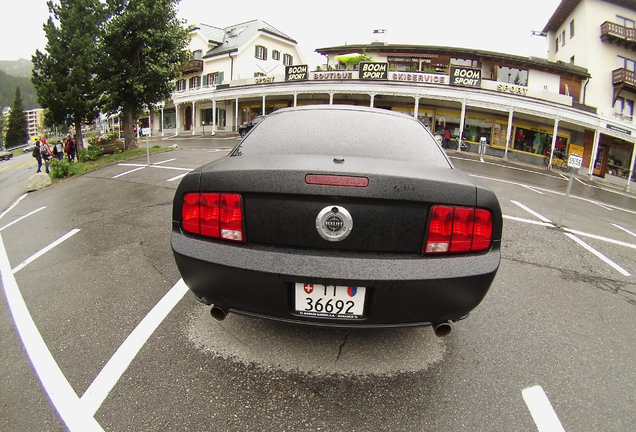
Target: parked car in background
[4, 155]
[246, 127]
[337, 216]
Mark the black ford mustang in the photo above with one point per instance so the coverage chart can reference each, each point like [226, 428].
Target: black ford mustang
[337, 216]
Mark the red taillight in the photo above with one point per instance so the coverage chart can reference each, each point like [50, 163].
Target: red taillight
[458, 229]
[214, 215]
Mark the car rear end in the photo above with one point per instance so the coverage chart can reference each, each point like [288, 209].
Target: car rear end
[336, 239]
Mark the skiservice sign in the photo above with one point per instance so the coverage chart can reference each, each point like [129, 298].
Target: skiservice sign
[373, 71]
[465, 77]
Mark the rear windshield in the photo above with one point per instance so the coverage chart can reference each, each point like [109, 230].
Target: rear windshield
[343, 133]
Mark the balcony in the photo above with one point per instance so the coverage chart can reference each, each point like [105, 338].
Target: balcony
[620, 35]
[193, 66]
[623, 79]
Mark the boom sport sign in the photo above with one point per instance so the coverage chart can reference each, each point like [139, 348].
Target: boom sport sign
[465, 77]
[373, 71]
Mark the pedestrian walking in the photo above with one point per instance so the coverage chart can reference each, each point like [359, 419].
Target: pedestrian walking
[446, 138]
[37, 154]
[46, 153]
[58, 151]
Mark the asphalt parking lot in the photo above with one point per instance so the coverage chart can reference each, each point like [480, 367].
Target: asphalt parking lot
[99, 333]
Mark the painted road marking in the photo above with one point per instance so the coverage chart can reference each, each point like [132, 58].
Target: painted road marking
[599, 255]
[570, 233]
[153, 165]
[541, 410]
[77, 413]
[37, 255]
[532, 212]
[22, 217]
[119, 362]
[624, 229]
[53, 380]
[562, 193]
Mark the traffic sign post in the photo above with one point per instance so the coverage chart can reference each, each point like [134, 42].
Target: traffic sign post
[574, 161]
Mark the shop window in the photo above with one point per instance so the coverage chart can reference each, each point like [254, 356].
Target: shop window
[530, 141]
[288, 60]
[169, 119]
[512, 75]
[260, 52]
[275, 55]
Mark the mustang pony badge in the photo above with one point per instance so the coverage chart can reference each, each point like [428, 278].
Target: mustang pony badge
[334, 223]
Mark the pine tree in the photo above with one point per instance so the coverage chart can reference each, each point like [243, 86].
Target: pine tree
[143, 46]
[64, 76]
[17, 133]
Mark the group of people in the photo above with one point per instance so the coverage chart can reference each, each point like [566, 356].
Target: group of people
[43, 152]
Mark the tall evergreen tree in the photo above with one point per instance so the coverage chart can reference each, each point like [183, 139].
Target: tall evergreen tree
[143, 46]
[17, 133]
[64, 76]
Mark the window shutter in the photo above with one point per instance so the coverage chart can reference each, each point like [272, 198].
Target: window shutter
[256, 52]
[264, 53]
[219, 77]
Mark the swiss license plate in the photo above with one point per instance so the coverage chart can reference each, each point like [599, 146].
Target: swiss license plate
[329, 301]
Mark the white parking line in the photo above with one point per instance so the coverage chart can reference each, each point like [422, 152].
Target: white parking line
[532, 212]
[13, 204]
[541, 410]
[20, 218]
[37, 255]
[599, 255]
[119, 362]
[624, 229]
[53, 380]
[153, 165]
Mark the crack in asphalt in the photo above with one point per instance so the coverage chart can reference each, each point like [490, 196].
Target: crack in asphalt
[601, 283]
[344, 342]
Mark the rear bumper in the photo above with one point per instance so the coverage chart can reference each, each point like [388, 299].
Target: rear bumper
[401, 290]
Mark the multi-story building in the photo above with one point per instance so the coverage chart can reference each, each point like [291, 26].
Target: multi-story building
[600, 35]
[34, 119]
[35, 122]
[530, 109]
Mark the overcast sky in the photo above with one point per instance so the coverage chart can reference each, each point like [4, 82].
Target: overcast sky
[492, 25]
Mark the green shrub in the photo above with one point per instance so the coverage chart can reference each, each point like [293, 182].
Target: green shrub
[91, 153]
[61, 169]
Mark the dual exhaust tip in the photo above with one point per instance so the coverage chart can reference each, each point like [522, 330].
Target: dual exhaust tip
[441, 329]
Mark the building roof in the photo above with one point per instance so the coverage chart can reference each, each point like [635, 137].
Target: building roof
[464, 53]
[566, 7]
[230, 39]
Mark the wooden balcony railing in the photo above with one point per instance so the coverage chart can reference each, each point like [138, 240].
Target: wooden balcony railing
[193, 66]
[623, 76]
[618, 34]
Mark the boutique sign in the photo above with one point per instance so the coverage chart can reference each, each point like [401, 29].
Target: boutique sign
[465, 77]
[296, 73]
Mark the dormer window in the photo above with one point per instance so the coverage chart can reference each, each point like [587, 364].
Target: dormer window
[275, 55]
[288, 60]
